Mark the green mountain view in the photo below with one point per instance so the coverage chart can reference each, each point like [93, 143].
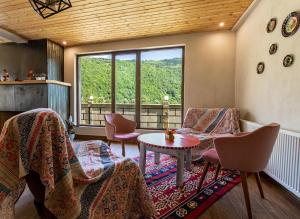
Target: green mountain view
[158, 79]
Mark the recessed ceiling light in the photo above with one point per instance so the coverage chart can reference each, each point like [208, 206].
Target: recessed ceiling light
[64, 42]
[221, 24]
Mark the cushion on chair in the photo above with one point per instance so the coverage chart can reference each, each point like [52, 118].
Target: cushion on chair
[126, 136]
[211, 156]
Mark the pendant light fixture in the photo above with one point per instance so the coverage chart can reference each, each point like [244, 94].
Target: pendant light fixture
[47, 8]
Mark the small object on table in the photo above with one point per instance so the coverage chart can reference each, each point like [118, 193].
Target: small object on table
[169, 134]
[5, 75]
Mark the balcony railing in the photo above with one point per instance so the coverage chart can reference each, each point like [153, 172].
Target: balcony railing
[153, 116]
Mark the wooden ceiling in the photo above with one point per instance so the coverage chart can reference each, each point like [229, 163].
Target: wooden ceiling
[91, 21]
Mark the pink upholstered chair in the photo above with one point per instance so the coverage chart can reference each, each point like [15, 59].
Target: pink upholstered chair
[248, 153]
[120, 129]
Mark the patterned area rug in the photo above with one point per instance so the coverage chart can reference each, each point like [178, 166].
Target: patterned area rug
[170, 202]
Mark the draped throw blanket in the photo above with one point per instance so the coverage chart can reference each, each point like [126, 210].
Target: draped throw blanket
[208, 124]
[211, 121]
[94, 184]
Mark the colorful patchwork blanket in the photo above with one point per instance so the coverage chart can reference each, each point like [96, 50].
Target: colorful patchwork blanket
[83, 181]
[211, 121]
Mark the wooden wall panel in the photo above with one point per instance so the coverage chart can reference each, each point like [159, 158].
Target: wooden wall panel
[42, 56]
[20, 98]
[35, 57]
[55, 61]
[7, 98]
[18, 59]
[28, 97]
[58, 99]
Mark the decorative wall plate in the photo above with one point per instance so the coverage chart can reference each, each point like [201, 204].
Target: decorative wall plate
[271, 25]
[273, 48]
[288, 60]
[260, 68]
[291, 24]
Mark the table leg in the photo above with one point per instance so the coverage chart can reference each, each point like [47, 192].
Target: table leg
[180, 169]
[188, 162]
[156, 157]
[143, 158]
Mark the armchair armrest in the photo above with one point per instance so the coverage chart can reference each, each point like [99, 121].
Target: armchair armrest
[110, 130]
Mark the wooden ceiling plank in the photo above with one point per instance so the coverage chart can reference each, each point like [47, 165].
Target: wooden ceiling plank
[190, 11]
[106, 20]
[120, 22]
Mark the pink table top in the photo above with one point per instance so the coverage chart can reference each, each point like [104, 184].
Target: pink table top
[181, 142]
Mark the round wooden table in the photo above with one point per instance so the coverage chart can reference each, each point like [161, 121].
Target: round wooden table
[180, 148]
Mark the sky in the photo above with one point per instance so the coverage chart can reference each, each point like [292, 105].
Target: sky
[161, 54]
[148, 55]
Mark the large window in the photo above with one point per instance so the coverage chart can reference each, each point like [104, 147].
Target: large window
[143, 85]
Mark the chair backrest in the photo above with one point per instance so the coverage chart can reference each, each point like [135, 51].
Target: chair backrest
[213, 120]
[250, 152]
[120, 123]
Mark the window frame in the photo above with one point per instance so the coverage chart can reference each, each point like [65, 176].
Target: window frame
[113, 54]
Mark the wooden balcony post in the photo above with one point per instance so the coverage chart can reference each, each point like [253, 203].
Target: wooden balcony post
[166, 112]
[91, 101]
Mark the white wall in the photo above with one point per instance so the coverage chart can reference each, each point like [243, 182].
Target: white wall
[208, 73]
[274, 95]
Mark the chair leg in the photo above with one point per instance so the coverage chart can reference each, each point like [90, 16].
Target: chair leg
[259, 185]
[246, 194]
[217, 171]
[123, 149]
[109, 143]
[206, 166]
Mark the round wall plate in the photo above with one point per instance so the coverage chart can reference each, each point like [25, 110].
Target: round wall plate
[271, 25]
[273, 48]
[288, 60]
[291, 24]
[260, 68]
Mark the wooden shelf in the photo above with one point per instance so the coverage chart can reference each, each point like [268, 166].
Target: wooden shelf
[24, 82]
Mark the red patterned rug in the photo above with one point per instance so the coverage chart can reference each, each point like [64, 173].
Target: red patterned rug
[170, 202]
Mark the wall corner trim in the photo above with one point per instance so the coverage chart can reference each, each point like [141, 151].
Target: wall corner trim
[246, 14]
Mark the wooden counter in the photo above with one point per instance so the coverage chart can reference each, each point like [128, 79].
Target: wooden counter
[21, 96]
[35, 82]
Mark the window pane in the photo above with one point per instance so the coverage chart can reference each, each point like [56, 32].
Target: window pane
[125, 85]
[95, 95]
[161, 81]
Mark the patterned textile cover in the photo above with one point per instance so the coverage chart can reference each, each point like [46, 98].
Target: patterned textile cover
[209, 121]
[96, 184]
[208, 124]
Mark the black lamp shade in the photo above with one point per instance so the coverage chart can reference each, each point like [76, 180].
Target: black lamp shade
[47, 8]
